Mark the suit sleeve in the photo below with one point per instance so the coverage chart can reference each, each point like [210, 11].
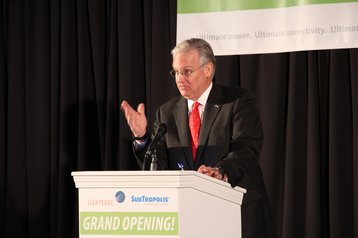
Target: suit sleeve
[241, 163]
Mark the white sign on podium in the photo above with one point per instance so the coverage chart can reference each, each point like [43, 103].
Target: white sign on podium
[183, 204]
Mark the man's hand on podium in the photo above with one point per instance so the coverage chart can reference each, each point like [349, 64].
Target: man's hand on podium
[213, 172]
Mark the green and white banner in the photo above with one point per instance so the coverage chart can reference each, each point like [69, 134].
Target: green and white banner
[128, 212]
[129, 223]
[256, 26]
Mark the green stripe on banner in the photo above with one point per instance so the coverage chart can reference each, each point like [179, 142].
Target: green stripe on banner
[129, 223]
[197, 6]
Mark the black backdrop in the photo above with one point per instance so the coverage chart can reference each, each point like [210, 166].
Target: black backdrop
[66, 65]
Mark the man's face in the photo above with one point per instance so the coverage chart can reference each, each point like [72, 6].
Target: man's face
[199, 78]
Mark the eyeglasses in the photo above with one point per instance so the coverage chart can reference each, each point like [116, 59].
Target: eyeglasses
[185, 72]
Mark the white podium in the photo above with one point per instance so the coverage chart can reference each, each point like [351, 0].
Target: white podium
[183, 204]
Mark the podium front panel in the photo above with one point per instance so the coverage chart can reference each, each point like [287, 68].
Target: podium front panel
[158, 204]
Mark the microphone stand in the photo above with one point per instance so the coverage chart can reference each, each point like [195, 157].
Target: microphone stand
[151, 153]
[146, 158]
[153, 164]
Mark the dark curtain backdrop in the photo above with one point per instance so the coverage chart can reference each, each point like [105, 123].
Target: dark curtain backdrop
[65, 67]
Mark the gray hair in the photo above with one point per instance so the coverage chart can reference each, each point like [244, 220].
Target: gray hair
[206, 53]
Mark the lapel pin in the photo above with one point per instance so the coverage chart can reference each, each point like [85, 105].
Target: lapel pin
[180, 166]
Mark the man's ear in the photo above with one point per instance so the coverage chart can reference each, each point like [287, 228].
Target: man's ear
[209, 68]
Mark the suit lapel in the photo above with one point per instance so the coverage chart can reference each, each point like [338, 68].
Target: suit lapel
[181, 120]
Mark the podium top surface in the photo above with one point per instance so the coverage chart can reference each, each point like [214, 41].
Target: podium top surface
[158, 179]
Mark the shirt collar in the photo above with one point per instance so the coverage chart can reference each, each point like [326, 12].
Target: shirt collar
[202, 99]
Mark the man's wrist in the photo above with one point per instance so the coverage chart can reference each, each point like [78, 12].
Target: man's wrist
[140, 138]
[223, 175]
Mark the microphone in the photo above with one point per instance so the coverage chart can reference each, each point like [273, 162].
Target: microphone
[161, 130]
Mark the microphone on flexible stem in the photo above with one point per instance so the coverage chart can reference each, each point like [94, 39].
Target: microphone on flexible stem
[151, 151]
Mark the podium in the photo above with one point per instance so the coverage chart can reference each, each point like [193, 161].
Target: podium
[183, 204]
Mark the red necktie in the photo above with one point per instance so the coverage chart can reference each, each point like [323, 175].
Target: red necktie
[194, 125]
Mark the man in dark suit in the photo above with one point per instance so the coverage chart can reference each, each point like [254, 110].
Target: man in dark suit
[230, 132]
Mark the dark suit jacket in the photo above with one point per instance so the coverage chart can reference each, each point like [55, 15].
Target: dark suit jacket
[230, 137]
